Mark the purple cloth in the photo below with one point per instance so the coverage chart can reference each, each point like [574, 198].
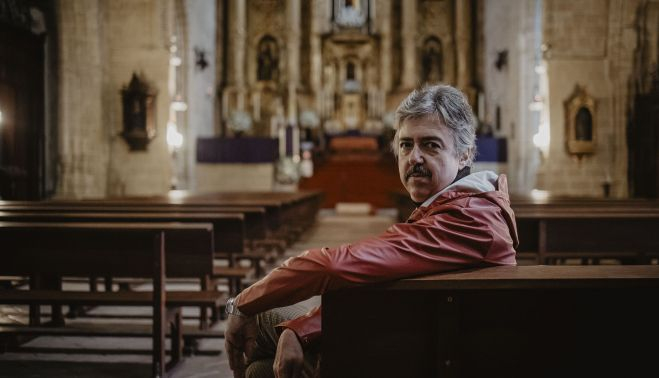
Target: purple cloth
[237, 150]
[491, 149]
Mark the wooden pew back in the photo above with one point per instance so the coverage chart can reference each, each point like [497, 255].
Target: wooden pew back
[103, 249]
[540, 321]
[228, 229]
[255, 217]
[117, 249]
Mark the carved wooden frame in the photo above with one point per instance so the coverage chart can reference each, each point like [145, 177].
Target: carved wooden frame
[578, 100]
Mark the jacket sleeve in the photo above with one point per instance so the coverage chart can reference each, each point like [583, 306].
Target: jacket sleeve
[456, 238]
[306, 327]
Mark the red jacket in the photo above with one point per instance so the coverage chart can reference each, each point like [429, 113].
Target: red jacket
[460, 229]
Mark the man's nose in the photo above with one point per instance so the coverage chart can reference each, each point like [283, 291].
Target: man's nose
[416, 156]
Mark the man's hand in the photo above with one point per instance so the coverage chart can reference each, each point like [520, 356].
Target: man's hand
[289, 361]
[239, 342]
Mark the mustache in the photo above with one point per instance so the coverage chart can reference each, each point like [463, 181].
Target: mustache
[418, 170]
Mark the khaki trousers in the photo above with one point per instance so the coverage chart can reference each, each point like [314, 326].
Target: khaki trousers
[267, 338]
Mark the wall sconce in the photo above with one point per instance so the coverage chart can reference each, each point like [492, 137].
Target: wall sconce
[502, 60]
[200, 58]
[139, 115]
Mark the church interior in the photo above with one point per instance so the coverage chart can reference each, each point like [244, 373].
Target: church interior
[261, 128]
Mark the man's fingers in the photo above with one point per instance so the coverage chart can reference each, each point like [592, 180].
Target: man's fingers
[235, 355]
[250, 348]
[238, 337]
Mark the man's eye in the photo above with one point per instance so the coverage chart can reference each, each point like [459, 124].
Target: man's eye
[405, 145]
[432, 145]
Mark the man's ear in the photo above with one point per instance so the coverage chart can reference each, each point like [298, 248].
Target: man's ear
[463, 162]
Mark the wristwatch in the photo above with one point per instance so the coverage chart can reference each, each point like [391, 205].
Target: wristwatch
[232, 309]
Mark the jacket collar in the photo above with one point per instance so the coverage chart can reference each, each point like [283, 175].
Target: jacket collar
[473, 184]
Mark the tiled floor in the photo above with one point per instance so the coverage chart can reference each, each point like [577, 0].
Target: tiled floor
[129, 357]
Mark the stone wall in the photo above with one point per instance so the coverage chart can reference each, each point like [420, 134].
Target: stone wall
[508, 71]
[102, 43]
[591, 44]
[137, 41]
[234, 177]
[83, 141]
[588, 43]
[201, 96]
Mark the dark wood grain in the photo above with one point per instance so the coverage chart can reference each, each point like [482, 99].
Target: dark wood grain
[543, 321]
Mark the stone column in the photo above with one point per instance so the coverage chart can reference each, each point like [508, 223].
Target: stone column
[316, 54]
[293, 56]
[385, 48]
[293, 65]
[220, 69]
[463, 42]
[83, 148]
[238, 36]
[409, 44]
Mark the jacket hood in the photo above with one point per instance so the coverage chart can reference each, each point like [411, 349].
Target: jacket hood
[484, 184]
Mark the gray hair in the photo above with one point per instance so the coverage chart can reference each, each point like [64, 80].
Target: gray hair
[446, 104]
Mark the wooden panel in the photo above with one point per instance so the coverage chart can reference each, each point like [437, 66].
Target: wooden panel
[368, 179]
[116, 250]
[255, 217]
[465, 326]
[536, 277]
[602, 235]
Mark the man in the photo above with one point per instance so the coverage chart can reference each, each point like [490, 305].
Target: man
[462, 220]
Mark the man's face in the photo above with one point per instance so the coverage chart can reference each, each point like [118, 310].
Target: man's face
[427, 161]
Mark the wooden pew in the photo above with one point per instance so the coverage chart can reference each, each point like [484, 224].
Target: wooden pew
[258, 246]
[256, 221]
[527, 321]
[587, 229]
[296, 210]
[228, 231]
[589, 234]
[286, 214]
[119, 250]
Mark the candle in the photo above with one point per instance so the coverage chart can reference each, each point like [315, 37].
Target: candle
[282, 142]
[481, 106]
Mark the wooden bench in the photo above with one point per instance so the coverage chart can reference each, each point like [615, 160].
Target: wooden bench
[256, 217]
[114, 249]
[263, 215]
[526, 321]
[228, 229]
[589, 234]
[588, 229]
[294, 211]
[281, 219]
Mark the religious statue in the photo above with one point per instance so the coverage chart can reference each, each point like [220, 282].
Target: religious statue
[584, 125]
[431, 61]
[268, 60]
